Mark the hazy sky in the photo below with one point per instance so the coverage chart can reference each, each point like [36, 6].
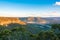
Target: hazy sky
[24, 8]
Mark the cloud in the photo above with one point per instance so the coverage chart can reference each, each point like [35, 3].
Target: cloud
[57, 3]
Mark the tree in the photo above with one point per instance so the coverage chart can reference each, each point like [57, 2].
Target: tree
[4, 34]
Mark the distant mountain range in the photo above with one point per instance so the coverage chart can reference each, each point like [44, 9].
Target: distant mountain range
[27, 20]
[48, 20]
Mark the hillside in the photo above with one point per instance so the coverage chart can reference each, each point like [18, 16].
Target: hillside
[47, 20]
[9, 20]
[37, 20]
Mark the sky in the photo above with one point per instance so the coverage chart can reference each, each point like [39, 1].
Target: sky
[26, 8]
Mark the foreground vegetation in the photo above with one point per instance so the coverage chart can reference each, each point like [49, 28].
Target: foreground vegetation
[25, 32]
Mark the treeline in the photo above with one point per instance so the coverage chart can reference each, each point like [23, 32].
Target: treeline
[20, 32]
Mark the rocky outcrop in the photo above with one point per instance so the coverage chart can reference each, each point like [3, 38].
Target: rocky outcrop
[9, 20]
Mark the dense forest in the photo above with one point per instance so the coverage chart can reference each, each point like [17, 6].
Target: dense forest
[29, 32]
